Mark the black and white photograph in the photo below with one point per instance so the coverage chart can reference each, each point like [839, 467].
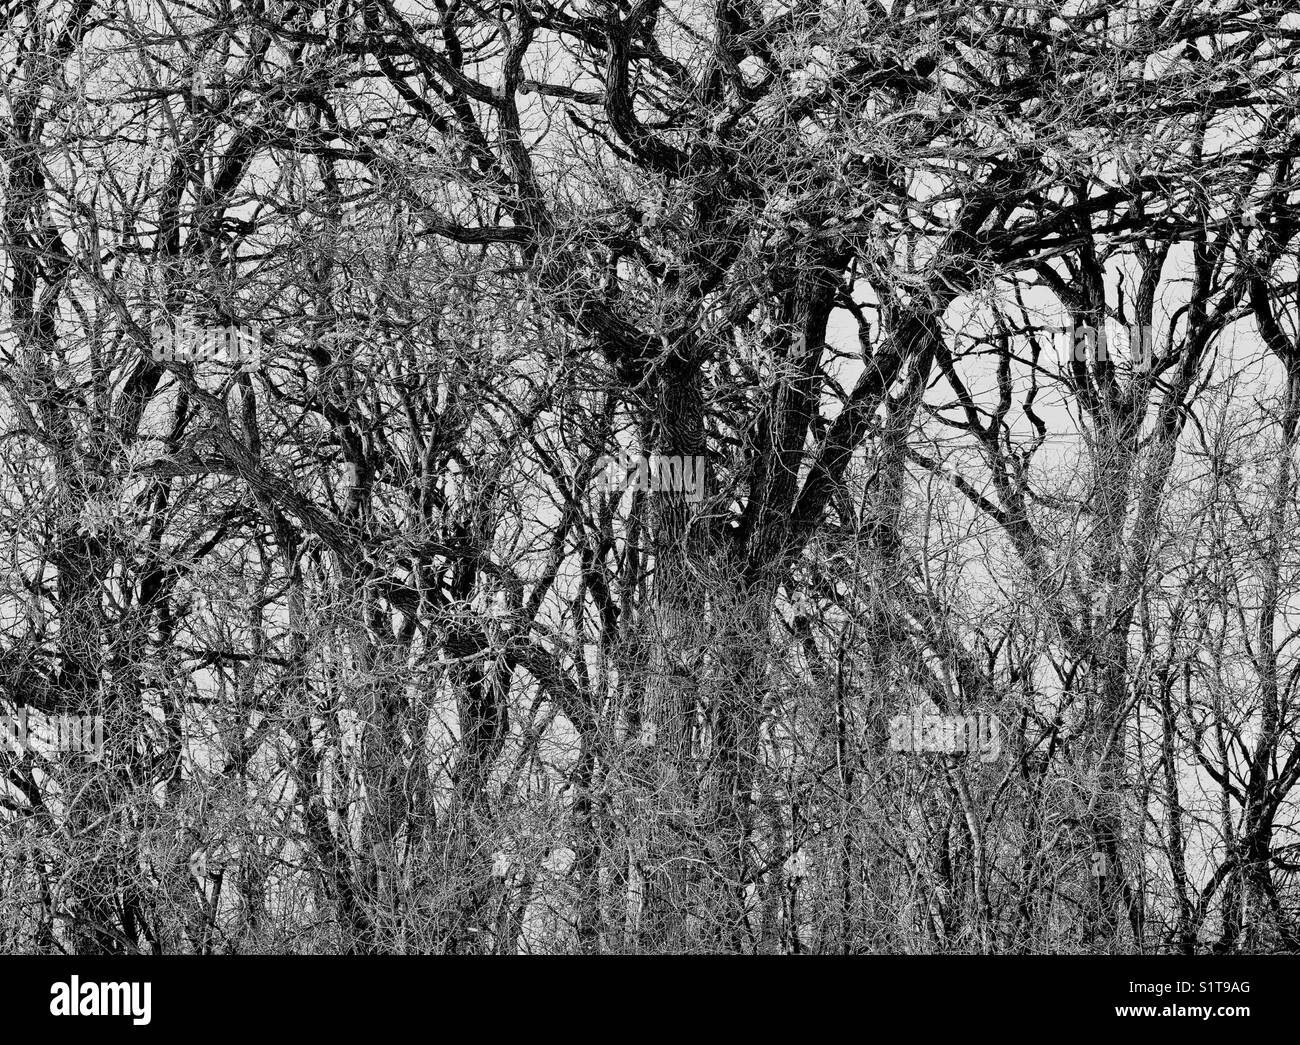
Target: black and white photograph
[800, 493]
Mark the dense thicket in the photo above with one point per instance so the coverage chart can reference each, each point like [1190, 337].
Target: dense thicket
[383, 667]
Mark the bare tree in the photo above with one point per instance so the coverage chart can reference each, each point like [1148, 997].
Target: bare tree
[390, 656]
